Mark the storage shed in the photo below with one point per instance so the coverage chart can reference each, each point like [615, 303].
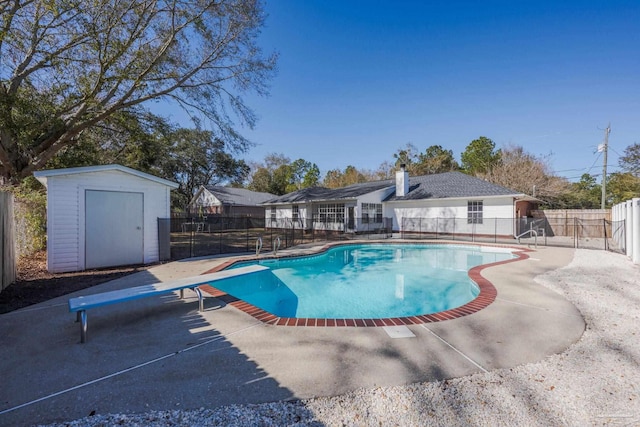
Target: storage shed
[103, 216]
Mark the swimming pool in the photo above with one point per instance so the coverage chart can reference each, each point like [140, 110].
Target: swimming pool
[367, 281]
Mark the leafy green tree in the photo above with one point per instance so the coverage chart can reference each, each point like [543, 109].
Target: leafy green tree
[311, 176]
[622, 187]
[195, 157]
[281, 180]
[68, 66]
[630, 161]
[272, 175]
[278, 175]
[480, 156]
[303, 174]
[191, 157]
[260, 180]
[584, 194]
[351, 175]
[436, 159]
[134, 140]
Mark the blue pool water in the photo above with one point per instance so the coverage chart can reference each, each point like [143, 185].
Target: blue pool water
[366, 281]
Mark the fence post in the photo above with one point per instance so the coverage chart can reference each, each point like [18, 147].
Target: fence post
[7, 242]
[635, 230]
[453, 235]
[473, 231]
[191, 242]
[437, 226]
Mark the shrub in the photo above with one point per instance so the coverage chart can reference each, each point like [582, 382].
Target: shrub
[30, 216]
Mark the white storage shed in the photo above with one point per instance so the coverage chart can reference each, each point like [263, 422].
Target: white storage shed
[103, 216]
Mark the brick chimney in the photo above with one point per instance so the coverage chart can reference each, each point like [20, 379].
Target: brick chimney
[402, 181]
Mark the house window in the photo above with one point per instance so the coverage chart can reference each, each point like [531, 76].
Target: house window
[371, 212]
[474, 212]
[273, 213]
[295, 213]
[330, 212]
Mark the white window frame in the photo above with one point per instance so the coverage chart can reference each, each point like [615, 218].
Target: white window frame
[330, 213]
[475, 209]
[367, 208]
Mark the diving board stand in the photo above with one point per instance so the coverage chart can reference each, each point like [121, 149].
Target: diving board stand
[80, 305]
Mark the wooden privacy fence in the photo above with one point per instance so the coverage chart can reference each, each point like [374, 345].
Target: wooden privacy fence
[7, 241]
[574, 222]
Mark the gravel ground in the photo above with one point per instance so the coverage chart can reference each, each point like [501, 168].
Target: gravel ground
[595, 382]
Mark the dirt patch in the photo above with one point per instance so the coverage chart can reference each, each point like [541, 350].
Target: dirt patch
[35, 284]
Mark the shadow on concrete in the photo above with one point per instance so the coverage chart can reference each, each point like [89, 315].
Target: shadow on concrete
[157, 353]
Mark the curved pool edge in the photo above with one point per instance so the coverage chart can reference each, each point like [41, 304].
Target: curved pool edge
[486, 297]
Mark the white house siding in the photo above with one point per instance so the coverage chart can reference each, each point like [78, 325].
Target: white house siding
[66, 215]
[501, 208]
[283, 216]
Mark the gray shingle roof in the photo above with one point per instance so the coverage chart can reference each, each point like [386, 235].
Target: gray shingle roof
[238, 196]
[450, 185]
[313, 194]
[436, 186]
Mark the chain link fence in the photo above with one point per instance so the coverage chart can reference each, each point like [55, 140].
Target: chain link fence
[192, 236]
[185, 237]
[574, 232]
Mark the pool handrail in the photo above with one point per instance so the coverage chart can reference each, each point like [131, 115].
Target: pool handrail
[530, 231]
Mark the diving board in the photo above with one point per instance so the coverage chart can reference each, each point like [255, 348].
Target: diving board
[80, 305]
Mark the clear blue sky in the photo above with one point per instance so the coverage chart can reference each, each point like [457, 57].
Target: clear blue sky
[358, 80]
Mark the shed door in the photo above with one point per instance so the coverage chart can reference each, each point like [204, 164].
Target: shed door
[113, 228]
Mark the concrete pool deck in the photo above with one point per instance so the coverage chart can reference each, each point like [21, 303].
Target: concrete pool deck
[160, 354]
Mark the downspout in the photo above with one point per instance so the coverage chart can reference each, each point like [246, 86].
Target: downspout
[515, 219]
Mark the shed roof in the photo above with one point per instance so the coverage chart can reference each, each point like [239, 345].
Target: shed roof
[238, 196]
[43, 175]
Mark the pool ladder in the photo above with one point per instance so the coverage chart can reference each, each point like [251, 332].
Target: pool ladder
[276, 245]
[258, 246]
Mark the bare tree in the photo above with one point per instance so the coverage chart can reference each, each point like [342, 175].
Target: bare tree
[526, 173]
[67, 65]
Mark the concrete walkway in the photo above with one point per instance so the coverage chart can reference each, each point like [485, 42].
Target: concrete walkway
[161, 353]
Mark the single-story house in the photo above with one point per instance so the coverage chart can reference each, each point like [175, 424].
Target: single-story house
[477, 206]
[228, 201]
[348, 209]
[103, 216]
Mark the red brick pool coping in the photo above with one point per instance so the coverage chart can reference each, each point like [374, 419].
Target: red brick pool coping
[487, 295]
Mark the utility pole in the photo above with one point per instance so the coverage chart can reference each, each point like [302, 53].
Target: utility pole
[605, 147]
